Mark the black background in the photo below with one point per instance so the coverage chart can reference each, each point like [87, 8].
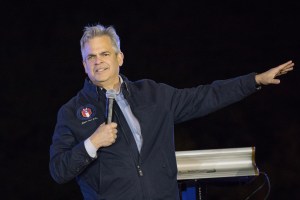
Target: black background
[181, 43]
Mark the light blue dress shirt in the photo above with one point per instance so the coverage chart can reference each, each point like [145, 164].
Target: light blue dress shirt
[132, 121]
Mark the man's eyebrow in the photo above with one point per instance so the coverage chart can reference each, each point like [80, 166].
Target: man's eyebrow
[104, 52]
[91, 54]
[101, 53]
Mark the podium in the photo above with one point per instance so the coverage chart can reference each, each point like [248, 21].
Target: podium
[196, 168]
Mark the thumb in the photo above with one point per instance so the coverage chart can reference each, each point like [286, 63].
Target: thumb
[275, 81]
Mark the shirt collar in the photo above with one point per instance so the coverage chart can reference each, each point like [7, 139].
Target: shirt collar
[119, 89]
[121, 81]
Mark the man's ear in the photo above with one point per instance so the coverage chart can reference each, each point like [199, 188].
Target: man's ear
[84, 66]
[120, 58]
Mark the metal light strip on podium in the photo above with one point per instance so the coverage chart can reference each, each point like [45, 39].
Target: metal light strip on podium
[216, 163]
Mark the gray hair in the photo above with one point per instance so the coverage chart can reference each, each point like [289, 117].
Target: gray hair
[98, 30]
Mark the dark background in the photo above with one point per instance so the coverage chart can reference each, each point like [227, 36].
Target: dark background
[181, 43]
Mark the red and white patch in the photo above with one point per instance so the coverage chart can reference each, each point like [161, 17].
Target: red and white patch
[86, 112]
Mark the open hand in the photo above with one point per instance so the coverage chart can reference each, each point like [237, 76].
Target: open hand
[269, 76]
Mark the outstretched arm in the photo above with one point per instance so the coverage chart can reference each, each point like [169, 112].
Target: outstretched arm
[269, 76]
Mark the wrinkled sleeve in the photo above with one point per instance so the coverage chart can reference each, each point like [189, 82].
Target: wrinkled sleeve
[199, 101]
[68, 157]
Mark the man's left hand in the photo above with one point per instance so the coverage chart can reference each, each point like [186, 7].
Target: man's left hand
[269, 77]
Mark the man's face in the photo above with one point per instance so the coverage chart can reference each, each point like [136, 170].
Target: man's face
[101, 62]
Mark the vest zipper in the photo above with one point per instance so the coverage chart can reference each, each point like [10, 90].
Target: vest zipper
[139, 169]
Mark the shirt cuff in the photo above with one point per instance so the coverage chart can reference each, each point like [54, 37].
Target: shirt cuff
[90, 148]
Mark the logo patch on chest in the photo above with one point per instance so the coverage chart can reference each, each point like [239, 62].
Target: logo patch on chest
[86, 112]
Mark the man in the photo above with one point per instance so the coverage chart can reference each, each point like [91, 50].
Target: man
[132, 157]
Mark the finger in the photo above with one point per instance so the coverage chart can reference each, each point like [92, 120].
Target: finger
[284, 71]
[115, 131]
[275, 81]
[289, 68]
[280, 73]
[113, 125]
[288, 62]
[284, 65]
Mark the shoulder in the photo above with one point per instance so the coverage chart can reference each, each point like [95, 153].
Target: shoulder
[71, 105]
[148, 84]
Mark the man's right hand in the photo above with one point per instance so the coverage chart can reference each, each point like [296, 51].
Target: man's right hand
[105, 135]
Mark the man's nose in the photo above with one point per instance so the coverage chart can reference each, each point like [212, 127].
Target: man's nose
[98, 60]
